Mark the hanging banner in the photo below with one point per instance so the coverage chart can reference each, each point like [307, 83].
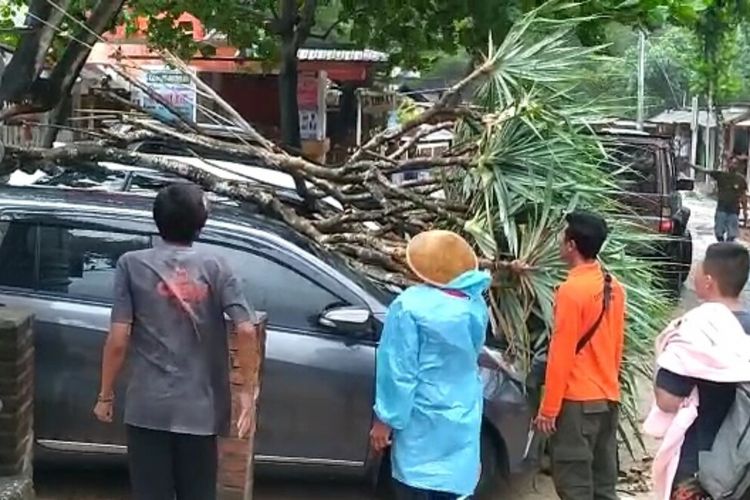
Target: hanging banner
[308, 90]
[174, 87]
[311, 99]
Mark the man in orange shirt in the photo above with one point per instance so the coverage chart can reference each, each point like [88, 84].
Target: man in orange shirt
[582, 390]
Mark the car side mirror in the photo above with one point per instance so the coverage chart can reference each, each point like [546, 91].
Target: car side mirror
[347, 319]
[685, 184]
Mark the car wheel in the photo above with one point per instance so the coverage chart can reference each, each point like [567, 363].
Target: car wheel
[687, 258]
[673, 282]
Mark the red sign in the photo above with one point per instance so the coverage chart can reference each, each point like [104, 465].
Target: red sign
[307, 90]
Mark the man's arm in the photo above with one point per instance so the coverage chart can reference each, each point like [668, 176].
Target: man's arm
[562, 351]
[671, 389]
[713, 173]
[113, 357]
[118, 340]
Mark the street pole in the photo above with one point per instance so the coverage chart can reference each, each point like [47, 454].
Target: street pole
[694, 127]
[641, 76]
[708, 139]
[359, 117]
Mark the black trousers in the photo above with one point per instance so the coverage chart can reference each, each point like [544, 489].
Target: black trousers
[404, 492]
[584, 451]
[170, 466]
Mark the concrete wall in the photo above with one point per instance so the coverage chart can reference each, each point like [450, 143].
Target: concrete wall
[17, 397]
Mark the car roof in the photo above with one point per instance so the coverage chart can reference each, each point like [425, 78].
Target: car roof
[282, 182]
[225, 212]
[635, 137]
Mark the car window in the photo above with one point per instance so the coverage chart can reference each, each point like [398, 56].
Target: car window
[81, 262]
[17, 248]
[103, 179]
[289, 298]
[637, 167]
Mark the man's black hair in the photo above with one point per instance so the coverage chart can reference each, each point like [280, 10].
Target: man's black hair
[728, 264]
[588, 231]
[180, 213]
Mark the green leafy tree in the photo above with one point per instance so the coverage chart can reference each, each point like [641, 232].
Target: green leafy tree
[58, 35]
[413, 28]
[670, 72]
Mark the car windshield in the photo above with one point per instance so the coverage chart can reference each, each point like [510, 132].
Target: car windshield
[380, 291]
[637, 166]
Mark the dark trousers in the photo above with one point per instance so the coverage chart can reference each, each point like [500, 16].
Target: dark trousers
[584, 451]
[404, 492]
[170, 466]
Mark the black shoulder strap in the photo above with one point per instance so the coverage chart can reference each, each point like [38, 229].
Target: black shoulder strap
[606, 298]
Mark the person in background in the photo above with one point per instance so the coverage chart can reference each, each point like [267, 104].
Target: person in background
[579, 409]
[168, 320]
[719, 280]
[731, 189]
[428, 396]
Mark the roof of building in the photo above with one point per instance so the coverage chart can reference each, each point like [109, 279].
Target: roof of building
[343, 55]
[685, 116]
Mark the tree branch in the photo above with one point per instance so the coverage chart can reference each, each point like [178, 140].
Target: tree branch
[327, 33]
[418, 136]
[275, 161]
[428, 163]
[96, 152]
[28, 59]
[306, 22]
[440, 108]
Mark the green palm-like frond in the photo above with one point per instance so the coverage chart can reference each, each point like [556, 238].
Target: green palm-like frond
[536, 161]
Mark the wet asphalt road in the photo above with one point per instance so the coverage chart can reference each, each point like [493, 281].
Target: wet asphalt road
[109, 484]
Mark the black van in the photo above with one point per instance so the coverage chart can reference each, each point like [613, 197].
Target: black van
[653, 198]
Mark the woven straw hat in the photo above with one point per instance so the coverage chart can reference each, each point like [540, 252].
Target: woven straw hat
[438, 257]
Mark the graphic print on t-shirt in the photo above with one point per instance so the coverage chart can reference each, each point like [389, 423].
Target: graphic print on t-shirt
[182, 288]
[179, 356]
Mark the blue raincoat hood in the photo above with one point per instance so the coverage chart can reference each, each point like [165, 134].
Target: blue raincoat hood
[472, 283]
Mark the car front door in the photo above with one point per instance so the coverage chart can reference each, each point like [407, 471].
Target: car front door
[65, 279]
[317, 393]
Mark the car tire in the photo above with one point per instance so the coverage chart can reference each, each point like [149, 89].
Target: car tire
[674, 281]
[492, 480]
[687, 258]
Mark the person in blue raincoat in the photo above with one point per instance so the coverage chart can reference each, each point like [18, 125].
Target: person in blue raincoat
[428, 400]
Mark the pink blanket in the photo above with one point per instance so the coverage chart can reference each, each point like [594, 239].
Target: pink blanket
[706, 343]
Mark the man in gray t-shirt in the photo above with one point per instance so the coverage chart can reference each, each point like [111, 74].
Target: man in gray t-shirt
[168, 318]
